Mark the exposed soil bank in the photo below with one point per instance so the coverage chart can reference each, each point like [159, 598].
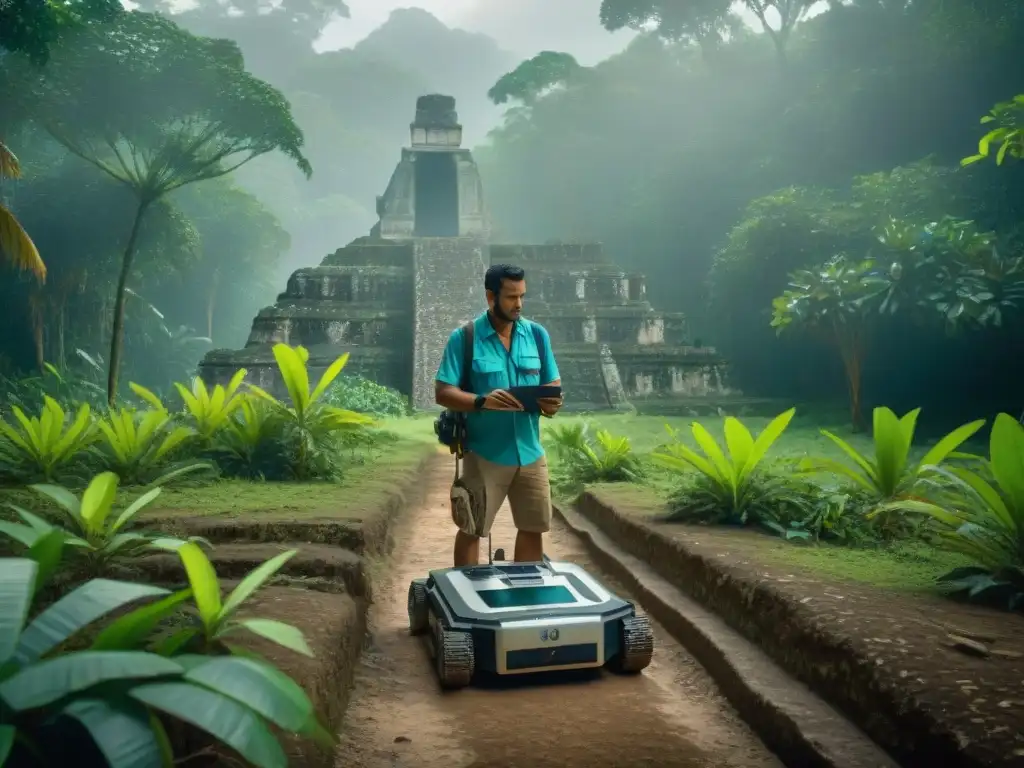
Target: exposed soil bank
[801, 728]
[891, 661]
[325, 590]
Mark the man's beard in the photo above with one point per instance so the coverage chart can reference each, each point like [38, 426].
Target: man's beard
[500, 314]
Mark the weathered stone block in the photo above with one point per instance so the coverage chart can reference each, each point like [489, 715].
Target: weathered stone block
[449, 288]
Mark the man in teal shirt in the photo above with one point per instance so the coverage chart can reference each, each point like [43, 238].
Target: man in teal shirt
[503, 453]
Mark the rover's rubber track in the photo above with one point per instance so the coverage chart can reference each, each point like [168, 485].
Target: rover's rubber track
[419, 618]
[637, 645]
[453, 657]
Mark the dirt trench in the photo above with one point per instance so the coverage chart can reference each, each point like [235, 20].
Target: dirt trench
[398, 717]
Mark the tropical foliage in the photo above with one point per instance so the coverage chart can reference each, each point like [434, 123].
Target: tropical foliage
[99, 657]
[980, 513]
[603, 458]
[733, 485]
[96, 536]
[237, 430]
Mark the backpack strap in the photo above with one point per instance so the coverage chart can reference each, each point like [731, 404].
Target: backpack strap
[467, 356]
[538, 339]
[464, 384]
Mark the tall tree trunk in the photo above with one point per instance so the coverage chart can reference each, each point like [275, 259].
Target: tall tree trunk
[117, 330]
[851, 347]
[211, 302]
[38, 315]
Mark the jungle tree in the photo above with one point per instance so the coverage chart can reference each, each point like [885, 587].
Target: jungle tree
[705, 22]
[1007, 135]
[32, 26]
[947, 273]
[238, 235]
[156, 108]
[528, 81]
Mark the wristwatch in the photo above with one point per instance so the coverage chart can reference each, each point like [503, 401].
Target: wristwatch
[478, 404]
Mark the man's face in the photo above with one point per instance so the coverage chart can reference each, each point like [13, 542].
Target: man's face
[508, 305]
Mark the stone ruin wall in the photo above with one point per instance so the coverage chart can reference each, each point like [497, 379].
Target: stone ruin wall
[393, 304]
[448, 278]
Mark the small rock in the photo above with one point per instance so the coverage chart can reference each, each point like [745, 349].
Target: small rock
[970, 634]
[968, 646]
[402, 740]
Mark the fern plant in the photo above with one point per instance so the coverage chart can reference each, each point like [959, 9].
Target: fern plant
[731, 485]
[605, 459]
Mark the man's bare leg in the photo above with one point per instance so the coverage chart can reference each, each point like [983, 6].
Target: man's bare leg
[529, 547]
[467, 550]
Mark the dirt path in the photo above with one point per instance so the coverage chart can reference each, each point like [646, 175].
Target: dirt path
[671, 715]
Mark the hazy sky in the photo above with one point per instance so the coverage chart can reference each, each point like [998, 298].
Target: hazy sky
[524, 27]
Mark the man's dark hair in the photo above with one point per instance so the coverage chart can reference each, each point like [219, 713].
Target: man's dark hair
[499, 272]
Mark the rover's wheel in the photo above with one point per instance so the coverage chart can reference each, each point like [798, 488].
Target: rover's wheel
[453, 657]
[636, 645]
[418, 607]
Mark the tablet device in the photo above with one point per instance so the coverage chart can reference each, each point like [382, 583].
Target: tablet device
[528, 396]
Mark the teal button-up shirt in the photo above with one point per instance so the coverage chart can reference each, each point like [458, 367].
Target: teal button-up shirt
[511, 438]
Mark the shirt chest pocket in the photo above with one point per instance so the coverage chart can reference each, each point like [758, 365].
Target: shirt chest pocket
[489, 374]
[528, 369]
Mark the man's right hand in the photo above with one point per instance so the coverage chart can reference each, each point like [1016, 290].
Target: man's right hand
[500, 400]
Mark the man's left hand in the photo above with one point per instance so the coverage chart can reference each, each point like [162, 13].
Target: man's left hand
[549, 405]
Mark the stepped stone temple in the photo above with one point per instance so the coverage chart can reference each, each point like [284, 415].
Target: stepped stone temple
[392, 298]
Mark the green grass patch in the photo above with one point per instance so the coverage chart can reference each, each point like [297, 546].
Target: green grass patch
[906, 566]
[359, 491]
[373, 473]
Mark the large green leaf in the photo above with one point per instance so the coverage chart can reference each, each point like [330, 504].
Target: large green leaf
[714, 452]
[47, 681]
[681, 457]
[285, 635]
[328, 377]
[891, 449]
[129, 631]
[25, 535]
[254, 580]
[7, 735]
[220, 716]
[994, 504]
[948, 444]
[98, 500]
[134, 508]
[17, 580]
[122, 731]
[264, 689]
[870, 476]
[1006, 449]
[203, 580]
[294, 375]
[34, 521]
[739, 442]
[62, 497]
[82, 607]
[765, 440]
[47, 551]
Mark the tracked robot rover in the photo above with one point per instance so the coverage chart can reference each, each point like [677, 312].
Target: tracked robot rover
[519, 618]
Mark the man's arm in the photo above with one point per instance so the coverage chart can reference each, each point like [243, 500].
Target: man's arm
[449, 374]
[446, 385]
[549, 375]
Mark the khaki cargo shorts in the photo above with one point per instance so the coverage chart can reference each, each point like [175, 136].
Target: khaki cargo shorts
[527, 489]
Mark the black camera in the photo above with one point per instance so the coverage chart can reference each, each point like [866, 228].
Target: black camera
[450, 428]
